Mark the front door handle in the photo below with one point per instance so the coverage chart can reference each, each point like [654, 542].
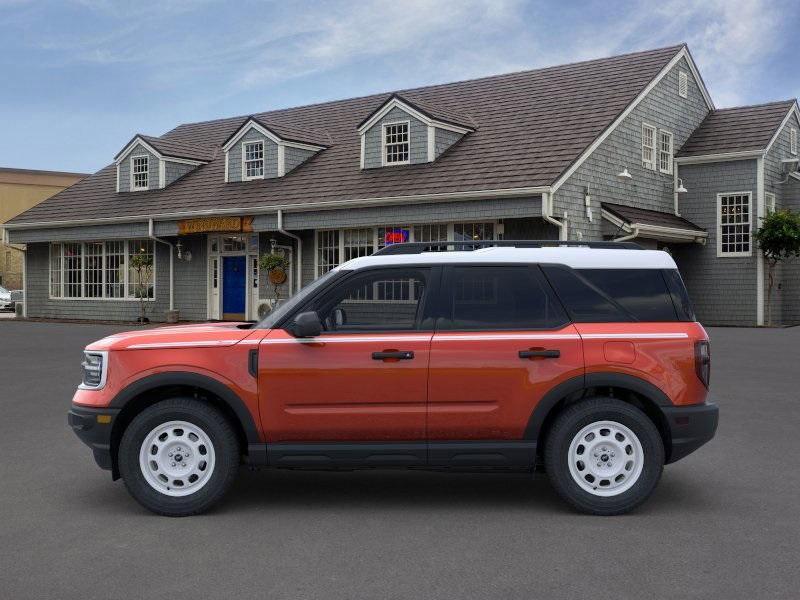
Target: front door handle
[539, 353]
[393, 355]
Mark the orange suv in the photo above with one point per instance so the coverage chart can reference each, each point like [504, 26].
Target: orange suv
[580, 359]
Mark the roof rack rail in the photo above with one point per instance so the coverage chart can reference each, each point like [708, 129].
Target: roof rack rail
[420, 247]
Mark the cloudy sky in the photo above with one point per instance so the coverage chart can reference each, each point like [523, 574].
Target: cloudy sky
[80, 77]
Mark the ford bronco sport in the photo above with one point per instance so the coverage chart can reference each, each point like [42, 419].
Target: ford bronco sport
[584, 360]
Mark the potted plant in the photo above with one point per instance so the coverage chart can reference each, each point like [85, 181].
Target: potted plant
[275, 265]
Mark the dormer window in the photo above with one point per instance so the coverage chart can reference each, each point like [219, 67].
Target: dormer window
[140, 169]
[396, 147]
[253, 160]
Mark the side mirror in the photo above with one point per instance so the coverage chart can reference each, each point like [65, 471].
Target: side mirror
[306, 324]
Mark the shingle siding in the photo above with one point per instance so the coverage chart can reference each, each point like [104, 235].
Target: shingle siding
[270, 156]
[443, 139]
[89, 233]
[175, 170]
[125, 169]
[294, 157]
[722, 289]
[418, 139]
[786, 288]
[649, 189]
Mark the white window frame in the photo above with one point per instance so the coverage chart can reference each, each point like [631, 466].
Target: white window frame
[793, 140]
[769, 202]
[263, 160]
[728, 254]
[651, 164]
[384, 126]
[60, 269]
[662, 154]
[376, 242]
[683, 84]
[133, 159]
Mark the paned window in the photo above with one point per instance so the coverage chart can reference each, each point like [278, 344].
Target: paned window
[327, 251]
[665, 152]
[253, 160]
[648, 146]
[396, 144]
[140, 281]
[115, 269]
[140, 166]
[93, 269]
[733, 224]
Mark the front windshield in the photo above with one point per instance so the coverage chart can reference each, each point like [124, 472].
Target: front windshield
[293, 302]
[3, 290]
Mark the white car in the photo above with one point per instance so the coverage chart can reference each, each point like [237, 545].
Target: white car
[5, 299]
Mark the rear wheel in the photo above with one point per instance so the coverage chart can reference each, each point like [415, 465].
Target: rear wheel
[179, 457]
[604, 456]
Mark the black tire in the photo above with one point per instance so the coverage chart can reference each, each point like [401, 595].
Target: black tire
[226, 452]
[570, 422]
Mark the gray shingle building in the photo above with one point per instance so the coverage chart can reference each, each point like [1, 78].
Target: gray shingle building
[627, 147]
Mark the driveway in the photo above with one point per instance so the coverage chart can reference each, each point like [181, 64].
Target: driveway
[723, 523]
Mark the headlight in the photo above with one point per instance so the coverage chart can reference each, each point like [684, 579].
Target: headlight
[95, 366]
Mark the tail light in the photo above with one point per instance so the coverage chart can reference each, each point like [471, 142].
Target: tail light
[702, 361]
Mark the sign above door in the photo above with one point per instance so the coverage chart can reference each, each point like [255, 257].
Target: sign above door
[211, 224]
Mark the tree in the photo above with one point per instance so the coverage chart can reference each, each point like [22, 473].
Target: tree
[142, 265]
[779, 239]
[275, 265]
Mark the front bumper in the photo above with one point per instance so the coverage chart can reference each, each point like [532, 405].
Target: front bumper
[93, 426]
[690, 427]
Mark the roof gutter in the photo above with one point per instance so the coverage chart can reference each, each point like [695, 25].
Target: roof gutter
[152, 236]
[299, 260]
[547, 215]
[328, 205]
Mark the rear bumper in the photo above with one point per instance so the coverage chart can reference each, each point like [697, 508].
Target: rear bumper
[690, 427]
[94, 432]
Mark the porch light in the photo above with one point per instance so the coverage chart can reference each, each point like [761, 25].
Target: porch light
[680, 189]
[624, 175]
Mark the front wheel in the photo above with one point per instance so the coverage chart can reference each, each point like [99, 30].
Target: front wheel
[604, 456]
[178, 457]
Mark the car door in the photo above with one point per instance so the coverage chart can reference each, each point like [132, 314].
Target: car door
[502, 342]
[364, 379]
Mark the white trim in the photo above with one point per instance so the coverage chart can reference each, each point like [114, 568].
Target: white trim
[683, 53]
[431, 143]
[363, 149]
[263, 160]
[251, 124]
[162, 173]
[281, 160]
[770, 204]
[118, 179]
[794, 110]
[138, 140]
[227, 178]
[183, 161]
[134, 188]
[721, 254]
[721, 157]
[397, 103]
[755, 225]
[407, 122]
[300, 207]
[668, 170]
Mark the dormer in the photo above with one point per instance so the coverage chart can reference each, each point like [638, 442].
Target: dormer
[406, 131]
[260, 150]
[151, 163]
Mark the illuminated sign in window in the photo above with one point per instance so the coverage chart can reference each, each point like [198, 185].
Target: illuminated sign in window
[395, 236]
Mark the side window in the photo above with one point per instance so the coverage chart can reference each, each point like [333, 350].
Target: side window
[680, 297]
[584, 302]
[380, 300]
[642, 292]
[498, 298]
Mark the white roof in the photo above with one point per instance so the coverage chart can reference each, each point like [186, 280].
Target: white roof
[579, 257]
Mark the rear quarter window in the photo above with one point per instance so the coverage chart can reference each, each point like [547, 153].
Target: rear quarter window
[606, 295]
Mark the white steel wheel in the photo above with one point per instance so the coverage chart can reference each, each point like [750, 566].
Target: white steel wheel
[177, 458]
[605, 458]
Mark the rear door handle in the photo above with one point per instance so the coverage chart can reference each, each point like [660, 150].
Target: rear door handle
[393, 355]
[539, 353]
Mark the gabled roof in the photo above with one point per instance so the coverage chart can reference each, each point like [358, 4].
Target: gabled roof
[431, 113]
[286, 132]
[530, 127]
[738, 129]
[166, 148]
[639, 216]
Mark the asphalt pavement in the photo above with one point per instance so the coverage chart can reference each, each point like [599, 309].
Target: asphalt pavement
[724, 522]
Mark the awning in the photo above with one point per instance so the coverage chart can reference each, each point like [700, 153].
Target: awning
[633, 222]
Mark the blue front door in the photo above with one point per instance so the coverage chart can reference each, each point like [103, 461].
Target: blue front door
[233, 287]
